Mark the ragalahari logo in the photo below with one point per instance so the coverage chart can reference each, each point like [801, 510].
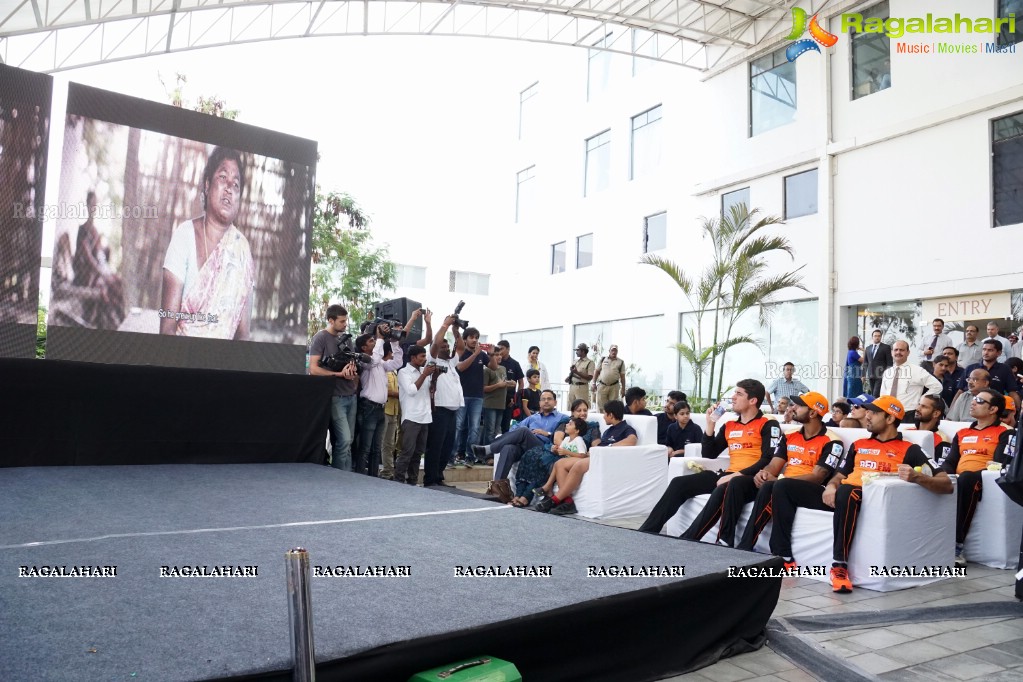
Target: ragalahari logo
[818, 34]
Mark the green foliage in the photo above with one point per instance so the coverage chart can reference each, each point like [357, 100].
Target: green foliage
[214, 106]
[41, 333]
[733, 283]
[347, 268]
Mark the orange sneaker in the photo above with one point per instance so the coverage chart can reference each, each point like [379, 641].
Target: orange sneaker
[840, 580]
[790, 565]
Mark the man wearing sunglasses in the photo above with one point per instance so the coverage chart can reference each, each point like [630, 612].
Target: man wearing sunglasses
[976, 381]
[983, 441]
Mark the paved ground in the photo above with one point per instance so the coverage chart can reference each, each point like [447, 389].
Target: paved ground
[962, 649]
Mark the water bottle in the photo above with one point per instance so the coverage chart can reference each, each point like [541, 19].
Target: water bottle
[718, 410]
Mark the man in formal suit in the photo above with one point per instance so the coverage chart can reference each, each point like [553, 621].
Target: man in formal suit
[879, 358]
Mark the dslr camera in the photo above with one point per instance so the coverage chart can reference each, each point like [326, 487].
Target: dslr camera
[439, 369]
[339, 360]
[393, 334]
[459, 322]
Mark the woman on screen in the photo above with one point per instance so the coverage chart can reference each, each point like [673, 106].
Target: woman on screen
[208, 269]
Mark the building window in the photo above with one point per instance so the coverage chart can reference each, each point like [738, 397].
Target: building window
[1007, 165]
[598, 68]
[524, 193]
[527, 109]
[739, 196]
[643, 43]
[871, 56]
[646, 142]
[598, 163]
[584, 251]
[655, 232]
[557, 258]
[469, 283]
[1005, 8]
[801, 194]
[772, 84]
[411, 276]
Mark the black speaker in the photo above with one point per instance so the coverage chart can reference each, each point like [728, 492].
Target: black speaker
[401, 309]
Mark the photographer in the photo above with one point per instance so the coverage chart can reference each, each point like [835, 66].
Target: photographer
[414, 383]
[373, 396]
[447, 400]
[467, 424]
[326, 343]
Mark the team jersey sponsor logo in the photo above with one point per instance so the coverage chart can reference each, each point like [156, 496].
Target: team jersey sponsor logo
[969, 439]
[735, 434]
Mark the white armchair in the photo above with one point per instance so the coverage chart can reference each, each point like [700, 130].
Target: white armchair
[625, 481]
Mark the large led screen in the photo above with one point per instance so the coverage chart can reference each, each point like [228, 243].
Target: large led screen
[24, 137]
[184, 239]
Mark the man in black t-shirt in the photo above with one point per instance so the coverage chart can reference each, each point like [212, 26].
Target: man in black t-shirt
[513, 370]
[467, 423]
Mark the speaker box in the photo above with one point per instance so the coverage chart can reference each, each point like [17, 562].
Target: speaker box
[401, 309]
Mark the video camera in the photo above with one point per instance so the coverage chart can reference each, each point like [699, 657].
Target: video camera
[339, 360]
[459, 322]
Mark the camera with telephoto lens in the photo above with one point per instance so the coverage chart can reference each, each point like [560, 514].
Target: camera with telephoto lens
[392, 333]
[339, 360]
[438, 369]
[459, 322]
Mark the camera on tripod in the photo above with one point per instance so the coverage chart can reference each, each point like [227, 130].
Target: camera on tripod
[459, 322]
[339, 360]
[438, 369]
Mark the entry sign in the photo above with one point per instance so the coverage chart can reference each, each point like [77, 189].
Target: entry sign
[969, 307]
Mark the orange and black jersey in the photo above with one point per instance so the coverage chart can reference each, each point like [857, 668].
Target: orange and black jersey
[802, 454]
[872, 455]
[750, 446]
[941, 447]
[972, 448]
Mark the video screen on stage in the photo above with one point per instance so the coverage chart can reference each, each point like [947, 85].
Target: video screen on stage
[24, 138]
[180, 239]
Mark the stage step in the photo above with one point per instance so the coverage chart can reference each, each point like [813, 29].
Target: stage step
[465, 474]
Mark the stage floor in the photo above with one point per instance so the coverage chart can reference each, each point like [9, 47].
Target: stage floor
[151, 519]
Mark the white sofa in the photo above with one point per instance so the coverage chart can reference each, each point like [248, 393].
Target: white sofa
[994, 535]
[625, 481]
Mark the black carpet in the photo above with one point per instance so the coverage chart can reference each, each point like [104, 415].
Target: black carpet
[143, 626]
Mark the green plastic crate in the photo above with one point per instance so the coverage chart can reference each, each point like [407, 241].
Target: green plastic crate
[480, 669]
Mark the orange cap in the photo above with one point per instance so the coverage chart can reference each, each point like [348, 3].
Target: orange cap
[814, 400]
[888, 404]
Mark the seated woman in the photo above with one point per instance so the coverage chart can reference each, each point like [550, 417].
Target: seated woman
[569, 476]
[535, 465]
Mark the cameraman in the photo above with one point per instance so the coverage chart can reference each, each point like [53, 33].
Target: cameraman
[414, 382]
[467, 423]
[447, 400]
[325, 343]
[373, 396]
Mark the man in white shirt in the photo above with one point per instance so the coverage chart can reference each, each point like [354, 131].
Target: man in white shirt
[907, 383]
[932, 344]
[970, 349]
[994, 333]
[414, 382]
[447, 399]
[372, 399]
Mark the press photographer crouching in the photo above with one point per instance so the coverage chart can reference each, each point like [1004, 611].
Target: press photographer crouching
[383, 358]
[331, 355]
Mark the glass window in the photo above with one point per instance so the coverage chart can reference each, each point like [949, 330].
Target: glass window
[552, 355]
[730, 199]
[646, 142]
[526, 109]
[1007, 165]
[413, 276]
[871, 56]
[790, 335]
[1005, 8]
[643, 43]
[772, 92]
[469, 283]
[641, 346]
[655, 232]
[557, 258]
[598, 163]
[801, 194]
[584, 251]
[598, 68]
[524, 194]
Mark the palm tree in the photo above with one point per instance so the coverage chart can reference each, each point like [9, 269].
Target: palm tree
[733, 283]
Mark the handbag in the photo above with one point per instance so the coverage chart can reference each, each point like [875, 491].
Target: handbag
[1011, 480]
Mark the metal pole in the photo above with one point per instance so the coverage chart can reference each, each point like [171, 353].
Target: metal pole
[300, 609]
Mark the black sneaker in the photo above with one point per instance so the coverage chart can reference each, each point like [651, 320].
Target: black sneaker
[544, 505]
[564, 508]
[479, 453]
[539, 493]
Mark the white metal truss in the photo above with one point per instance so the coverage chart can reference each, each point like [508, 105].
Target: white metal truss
[55, 35]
